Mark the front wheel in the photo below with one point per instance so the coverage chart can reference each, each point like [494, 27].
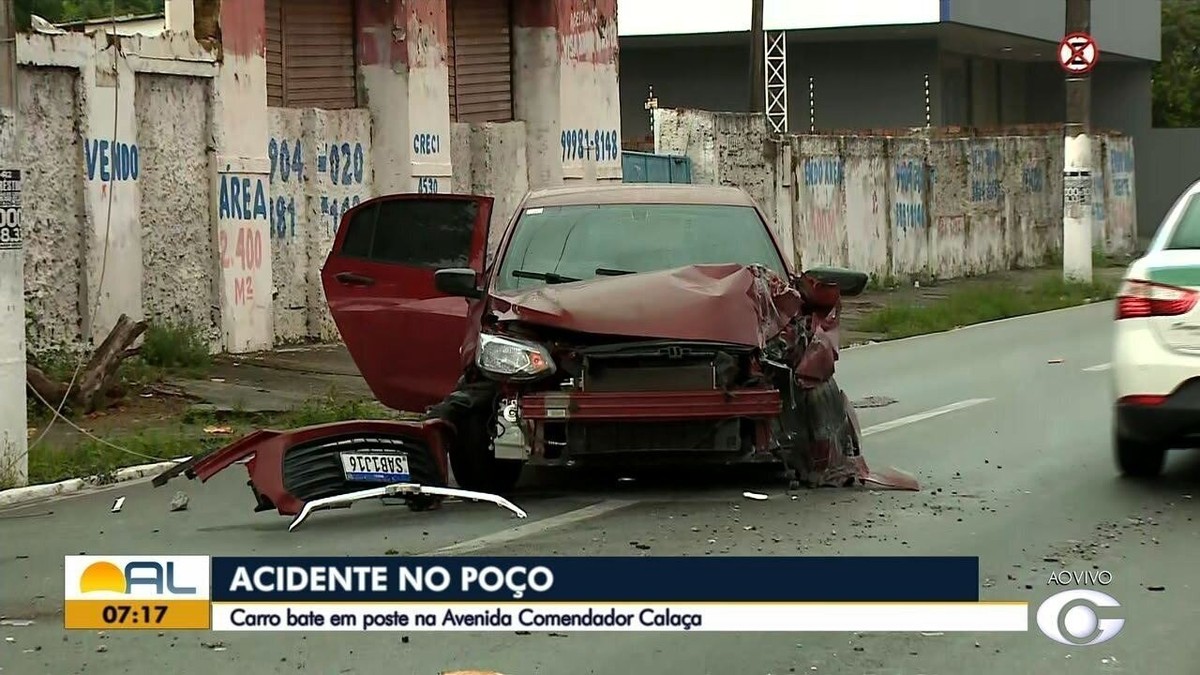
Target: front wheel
[1137, 459]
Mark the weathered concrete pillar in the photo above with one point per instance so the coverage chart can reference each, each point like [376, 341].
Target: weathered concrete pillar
[405, 79]
[112, 166]
[240, 173]
[180, 16]
[565, 89]
[536, 95]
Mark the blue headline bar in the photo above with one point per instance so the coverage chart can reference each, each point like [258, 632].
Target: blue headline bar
[596, 579]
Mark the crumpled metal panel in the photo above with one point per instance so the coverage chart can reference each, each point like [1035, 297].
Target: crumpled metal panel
[730, 303]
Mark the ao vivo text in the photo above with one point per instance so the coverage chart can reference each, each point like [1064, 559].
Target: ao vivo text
[515, 580]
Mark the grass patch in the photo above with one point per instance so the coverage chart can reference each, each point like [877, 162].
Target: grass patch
[979, 303]
[182, 437]
[176, 347]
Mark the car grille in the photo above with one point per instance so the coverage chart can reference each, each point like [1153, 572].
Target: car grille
[313, 469]
[599, 438]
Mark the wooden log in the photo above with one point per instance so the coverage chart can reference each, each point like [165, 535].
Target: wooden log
[98, 377]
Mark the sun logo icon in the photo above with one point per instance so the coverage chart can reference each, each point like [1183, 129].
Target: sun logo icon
[103, 576]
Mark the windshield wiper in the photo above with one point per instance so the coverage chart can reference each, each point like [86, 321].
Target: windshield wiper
[607, 272]
[548, 277]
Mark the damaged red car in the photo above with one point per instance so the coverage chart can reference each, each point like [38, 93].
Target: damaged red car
[611, 326]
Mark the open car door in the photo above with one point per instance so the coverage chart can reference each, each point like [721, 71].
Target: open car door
[403, 334]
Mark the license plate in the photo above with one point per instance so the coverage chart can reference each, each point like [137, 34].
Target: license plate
[376, 467]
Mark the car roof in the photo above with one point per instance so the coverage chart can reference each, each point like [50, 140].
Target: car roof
[638, 193]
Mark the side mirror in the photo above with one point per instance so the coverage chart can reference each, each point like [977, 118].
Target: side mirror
[457, 281]
[849, 282]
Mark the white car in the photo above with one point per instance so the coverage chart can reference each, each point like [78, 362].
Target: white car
[1156, 355]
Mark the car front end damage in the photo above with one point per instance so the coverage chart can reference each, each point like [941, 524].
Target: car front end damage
[744, 375]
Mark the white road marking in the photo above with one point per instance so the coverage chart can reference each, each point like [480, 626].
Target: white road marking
[534, 528]
[1097, 368]
[921, 417]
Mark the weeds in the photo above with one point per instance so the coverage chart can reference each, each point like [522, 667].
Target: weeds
[175, 347]
[985, 302]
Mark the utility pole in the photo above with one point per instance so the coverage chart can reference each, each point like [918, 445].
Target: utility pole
[758, 59]
[1077, 154]
[13, 435]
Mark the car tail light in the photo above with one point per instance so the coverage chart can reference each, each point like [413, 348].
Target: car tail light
[1142, 400]
[1140, 299]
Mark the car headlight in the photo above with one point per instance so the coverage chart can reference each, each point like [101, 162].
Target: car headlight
[513, 359]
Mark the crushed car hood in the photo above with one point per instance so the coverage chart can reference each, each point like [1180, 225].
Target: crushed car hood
[729, 303]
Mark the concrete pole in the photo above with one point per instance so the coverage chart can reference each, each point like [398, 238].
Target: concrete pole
[14, 466]
[1077, 160]
[758, 59]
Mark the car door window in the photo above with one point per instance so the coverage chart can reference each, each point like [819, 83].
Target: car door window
[429, 234]
[1187, 230]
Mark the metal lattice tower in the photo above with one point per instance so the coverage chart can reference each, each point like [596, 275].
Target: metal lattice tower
[776, 69]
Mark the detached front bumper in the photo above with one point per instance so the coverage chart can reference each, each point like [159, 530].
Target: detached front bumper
[649, 427]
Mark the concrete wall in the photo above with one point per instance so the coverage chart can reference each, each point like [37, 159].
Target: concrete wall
[320, 167]
[117, 196]
[905, 206]
[160, 185]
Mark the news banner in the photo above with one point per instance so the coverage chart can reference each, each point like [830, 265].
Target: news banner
[634, 594]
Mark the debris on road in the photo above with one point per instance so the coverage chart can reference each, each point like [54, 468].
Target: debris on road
[180, 501]
[16, 623]
[1054, 361]
[1156, 588]
[874, 402]
[118, 505]
[215, 646]
[218, 430]
[757, 496]
[101, 649]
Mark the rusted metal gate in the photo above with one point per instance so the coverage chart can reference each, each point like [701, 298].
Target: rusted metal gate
[310, 54]
[480, 60]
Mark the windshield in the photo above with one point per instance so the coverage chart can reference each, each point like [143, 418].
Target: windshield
[567, 243]
[1186, 234]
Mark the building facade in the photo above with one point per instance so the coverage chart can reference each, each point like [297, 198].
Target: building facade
[199, 173]
[891, 64]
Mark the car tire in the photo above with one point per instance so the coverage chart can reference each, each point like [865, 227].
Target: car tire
[1137, 459]
[473, 460]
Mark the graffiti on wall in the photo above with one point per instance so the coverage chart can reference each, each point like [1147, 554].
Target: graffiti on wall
[242, 203]
[1121, 166]
[602, 145]
[984, 162]
[588, 31]
[107, 160]
[824, 176]
[345, 164]
[287, 166]
[909, 198]
[1033, 177]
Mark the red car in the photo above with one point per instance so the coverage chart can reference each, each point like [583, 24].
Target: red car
[622, 324]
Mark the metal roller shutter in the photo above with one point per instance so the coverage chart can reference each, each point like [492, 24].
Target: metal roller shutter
[480, 61]
[312, 63]
[274, 54]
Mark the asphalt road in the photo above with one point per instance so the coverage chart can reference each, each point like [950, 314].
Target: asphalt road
[1012, 451]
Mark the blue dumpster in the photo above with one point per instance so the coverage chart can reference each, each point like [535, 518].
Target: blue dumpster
[646, 167]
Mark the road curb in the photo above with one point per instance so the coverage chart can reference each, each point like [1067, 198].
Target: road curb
[30, 493]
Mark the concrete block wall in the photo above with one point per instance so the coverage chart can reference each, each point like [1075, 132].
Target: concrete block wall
[321, 166]
[903, 206]
[116, 184]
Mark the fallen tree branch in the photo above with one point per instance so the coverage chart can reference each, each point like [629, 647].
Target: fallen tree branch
[98, 378]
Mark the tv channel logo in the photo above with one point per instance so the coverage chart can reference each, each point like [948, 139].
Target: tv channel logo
[1080, 617]
[150, 577]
